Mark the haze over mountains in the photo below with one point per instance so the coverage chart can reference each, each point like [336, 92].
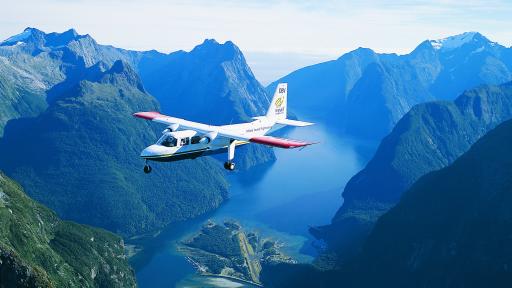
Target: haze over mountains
[364, 93]
[67, 136]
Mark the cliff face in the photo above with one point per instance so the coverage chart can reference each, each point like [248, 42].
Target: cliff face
[210, 84]
[452, 227]
[37, 249]
[80, 95]
[429, 137]
[81, 157]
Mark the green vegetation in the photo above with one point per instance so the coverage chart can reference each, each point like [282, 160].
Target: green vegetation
[429, 137]
[81, 158]
[227, 250]
[452, 227]
[71, 140]
[37, 249]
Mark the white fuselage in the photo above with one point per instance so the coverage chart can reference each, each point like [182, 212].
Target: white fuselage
[186, 144]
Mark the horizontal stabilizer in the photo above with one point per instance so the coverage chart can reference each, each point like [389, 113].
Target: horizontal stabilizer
[279, 142]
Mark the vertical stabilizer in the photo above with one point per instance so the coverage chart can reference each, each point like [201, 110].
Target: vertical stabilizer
[277, 109]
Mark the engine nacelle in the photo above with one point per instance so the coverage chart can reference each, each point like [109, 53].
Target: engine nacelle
[207, 138]
[171, 128]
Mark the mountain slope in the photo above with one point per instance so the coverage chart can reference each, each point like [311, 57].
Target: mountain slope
[81, 158]
[226, 81]
[429, 137]
[37, 249]
[227, 84]
[364, 93]
[452, 228]
[212, 83]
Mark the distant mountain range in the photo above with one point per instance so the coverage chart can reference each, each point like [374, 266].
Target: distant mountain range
[80, 143]
[439, 235]
[364, 93]
[37, 249]
[226, 80]
[429, 137]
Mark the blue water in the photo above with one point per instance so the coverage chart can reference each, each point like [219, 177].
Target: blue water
[301, 189]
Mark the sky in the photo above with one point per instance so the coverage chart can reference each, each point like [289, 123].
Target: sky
[276, 36]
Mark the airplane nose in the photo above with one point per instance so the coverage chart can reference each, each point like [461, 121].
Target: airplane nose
[150, 151]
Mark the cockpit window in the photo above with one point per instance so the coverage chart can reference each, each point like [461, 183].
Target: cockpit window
[185, 141]
[168, 141]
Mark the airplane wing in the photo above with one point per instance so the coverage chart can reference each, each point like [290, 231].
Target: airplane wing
[182, 123]
[204, 128]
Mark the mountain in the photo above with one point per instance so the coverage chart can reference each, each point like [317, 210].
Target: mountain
[81, 158]
[451, 228]
[37, 249]
[32, 62]
[212, 83]
[59, 80]
[364, 93]
[224, 76]
[427, 138]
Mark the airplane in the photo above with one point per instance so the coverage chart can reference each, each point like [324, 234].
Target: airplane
[184, 139]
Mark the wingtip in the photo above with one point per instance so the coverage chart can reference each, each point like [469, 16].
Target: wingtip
[147, 115]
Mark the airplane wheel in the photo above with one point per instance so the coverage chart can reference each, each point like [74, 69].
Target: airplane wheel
[229, 166]
[147, 169]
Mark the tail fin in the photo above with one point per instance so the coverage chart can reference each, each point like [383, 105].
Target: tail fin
[277, 109]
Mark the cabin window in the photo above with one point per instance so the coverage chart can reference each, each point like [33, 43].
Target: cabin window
[169, 141]
[195, 140]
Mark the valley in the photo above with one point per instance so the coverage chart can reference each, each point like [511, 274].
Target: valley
[261, 200]
[397, 134]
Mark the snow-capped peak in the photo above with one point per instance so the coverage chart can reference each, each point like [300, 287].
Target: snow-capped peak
[19, 37]
[453, 42]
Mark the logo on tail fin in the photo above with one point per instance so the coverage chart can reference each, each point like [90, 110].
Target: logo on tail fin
[279, 102]
[277, 109]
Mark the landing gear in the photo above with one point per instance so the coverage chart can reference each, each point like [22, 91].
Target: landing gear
[147, 168]
[229, 166]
